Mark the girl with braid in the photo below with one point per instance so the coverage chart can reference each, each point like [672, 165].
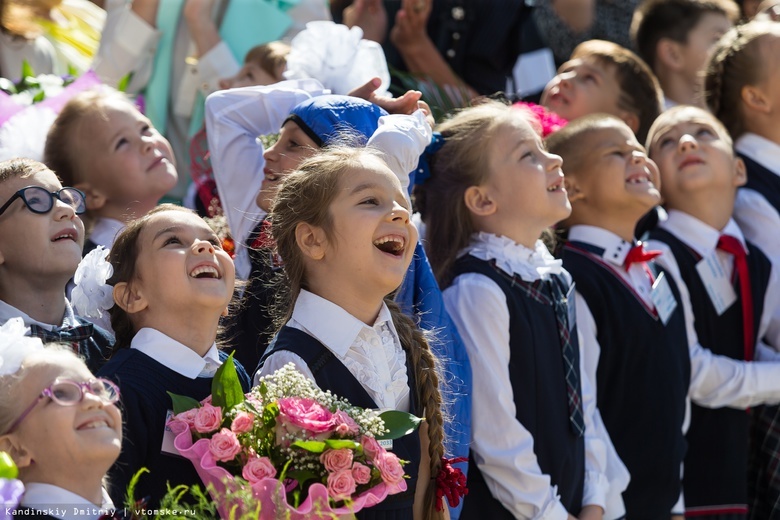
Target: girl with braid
[538, 447]
[342, 226]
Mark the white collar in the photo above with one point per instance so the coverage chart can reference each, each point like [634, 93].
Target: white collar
[701, 237]
[511, 257]
[333, 326]
[615, 248]
[172, 354]
[105, 231]
[761, 150]
[9, 311]
[61, 503]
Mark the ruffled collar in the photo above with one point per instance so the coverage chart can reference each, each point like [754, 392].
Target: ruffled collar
[513, 258]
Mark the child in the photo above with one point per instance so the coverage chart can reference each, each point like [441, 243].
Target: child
[699, 179]
[342, 228]
[41, 236]
[101, 144]
[60, 426]
[740, 86]
[263, 65]
[493, 190]
[675, 37]
[172, 282]
[604, 77]
[638, 341]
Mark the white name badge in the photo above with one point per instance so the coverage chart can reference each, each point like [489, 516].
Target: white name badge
[571, 307]
[663, 298]
[532, 71]
[718, 285]
[386, 444]
[168, 437]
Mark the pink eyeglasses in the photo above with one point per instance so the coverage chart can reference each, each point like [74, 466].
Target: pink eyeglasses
[66, 392]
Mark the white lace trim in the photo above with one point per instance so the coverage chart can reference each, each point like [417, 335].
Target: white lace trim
[511, 257]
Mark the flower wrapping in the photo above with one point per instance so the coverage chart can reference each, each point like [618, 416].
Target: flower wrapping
[302, 452]
[336, 56]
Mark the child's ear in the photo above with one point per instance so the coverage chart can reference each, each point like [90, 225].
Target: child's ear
[129, 298]
[11, 444]
[311, 240]
[668, 53]
[572, 189]
[755, 99]
[631, 119]
[94, 198]
[479, 202]
[740, 172]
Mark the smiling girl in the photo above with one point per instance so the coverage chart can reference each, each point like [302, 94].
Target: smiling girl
[103, 145]
[60, 425]
[172, 282]
[341, 224]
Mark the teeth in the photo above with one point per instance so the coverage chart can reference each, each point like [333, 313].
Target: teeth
[205, 269]
[96, 424]
[393, 244]
[393, 238]
[554, 188]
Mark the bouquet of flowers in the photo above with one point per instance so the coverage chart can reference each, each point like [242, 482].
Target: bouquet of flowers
[303, 452]
[11, 489]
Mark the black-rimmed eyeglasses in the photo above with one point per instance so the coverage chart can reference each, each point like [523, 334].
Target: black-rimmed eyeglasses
[40, 200]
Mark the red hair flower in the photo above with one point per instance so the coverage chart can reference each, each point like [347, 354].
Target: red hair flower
[450, 483]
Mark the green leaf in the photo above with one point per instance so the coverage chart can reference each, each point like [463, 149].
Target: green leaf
[72, 71]
[124, 82]
[398, 424]
[338, 444]
[8, 467]
[310, 446]
[226, 391]
[37, 98]
[182, 403]
[27, 70]
[301, 475]
[130, 501]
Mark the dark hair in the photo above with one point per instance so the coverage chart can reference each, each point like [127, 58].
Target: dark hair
[20, 167]
[736, 62]
[460, 163]
[640, 92]
[306, 196]
[123, 258]
[271, 57]
[655, 20]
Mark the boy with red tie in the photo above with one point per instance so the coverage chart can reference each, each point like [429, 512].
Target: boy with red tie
[639, 345]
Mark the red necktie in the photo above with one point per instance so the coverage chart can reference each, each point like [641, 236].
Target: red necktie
[731, 245]
[639, 255]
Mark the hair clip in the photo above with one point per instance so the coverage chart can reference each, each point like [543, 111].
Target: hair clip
[15, 345]
[423, 171]
[93, 296]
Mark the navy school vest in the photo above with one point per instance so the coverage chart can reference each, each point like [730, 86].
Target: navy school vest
[331, 374]
[762, 180]
[716, 462]
[541, 400]
[642, 382]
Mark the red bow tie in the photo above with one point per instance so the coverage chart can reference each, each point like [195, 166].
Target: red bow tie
[639, 255]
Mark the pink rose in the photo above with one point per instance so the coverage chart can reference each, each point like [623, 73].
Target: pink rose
[389, 467]
[306, 414]
[361, 473]
[207, 400]
[258, 468]
[208, 419]
[243, 422]
[345, 425]
[334, 460]
[224, 445]
[188, 417]
[341, 484]
[371, 447]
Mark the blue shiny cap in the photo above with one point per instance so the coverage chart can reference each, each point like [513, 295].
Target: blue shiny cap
[325, 118]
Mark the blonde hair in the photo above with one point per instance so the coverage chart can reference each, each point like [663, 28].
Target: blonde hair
[20, 168]
[696, 113]
[11, 404]
[306, 196]
[736, 62]
[271, 57]
[459, 164]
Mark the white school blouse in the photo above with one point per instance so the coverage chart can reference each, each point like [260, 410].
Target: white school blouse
[61, 503]
[503, 447]
[174, 355]
[372, 354]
